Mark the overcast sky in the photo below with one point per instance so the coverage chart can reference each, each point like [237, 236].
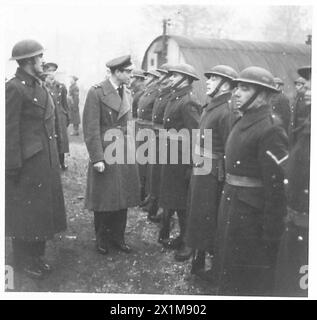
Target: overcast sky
[82, 35]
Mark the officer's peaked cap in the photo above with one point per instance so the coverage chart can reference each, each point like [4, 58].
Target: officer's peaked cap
[122, 62]
[300, 80]
[26, 49]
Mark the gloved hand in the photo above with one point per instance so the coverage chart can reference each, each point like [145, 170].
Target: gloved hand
[99, 166]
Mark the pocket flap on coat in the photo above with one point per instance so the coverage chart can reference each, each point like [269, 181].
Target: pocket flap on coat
[29, 150]
[254, 197]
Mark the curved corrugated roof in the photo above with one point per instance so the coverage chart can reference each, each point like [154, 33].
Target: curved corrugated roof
[282, 59]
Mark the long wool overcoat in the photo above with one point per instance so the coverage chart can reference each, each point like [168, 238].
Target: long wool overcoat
[118, 187]
[34, 201]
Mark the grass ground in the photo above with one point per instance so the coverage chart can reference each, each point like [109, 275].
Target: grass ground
[78, 268]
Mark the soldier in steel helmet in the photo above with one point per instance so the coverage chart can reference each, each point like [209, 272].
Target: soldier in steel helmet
[281, 104]
[144, 120]
[253, 203]
[59, 94]
[292, 266]
[181, 112]
[160, 94]
[299, 111]
[205, 189]
[137, 87]
[35, 208]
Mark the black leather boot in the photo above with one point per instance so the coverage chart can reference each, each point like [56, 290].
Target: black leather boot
[153, 208]
[183, 252]
[198, 262]
[165, 226]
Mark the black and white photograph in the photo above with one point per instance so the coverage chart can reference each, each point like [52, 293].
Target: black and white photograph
[157, 148]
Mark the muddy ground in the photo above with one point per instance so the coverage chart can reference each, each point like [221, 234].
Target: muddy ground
[150, 269]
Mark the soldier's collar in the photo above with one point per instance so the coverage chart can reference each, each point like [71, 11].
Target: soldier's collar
[27, 78]
[255, 115]
[219, 100]
[181, 91]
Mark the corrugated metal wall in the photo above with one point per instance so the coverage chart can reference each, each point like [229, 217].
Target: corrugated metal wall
[282, 59]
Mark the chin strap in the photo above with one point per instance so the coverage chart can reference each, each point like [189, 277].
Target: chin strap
[245, 106]
[179, 82]
[217, 88]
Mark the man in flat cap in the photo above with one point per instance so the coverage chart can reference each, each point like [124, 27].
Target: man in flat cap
[59, 94]
[111, 188]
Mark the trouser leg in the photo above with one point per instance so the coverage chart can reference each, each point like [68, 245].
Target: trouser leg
[101, 231]
[117, 226]
[165, 225]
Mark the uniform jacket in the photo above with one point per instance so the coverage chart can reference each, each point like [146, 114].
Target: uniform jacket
[250, 219]
[58, 92]
[146, 102]
[74, 104]
[281, 108]
[136, 92]
[182, 112]
[34, 196]
[205, 190]
[118, 186]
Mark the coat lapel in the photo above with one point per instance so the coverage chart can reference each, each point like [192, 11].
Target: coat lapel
[125, 106]
[111, 97]
[253, 116]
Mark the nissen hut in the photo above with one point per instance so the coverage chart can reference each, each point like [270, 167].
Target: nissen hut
[282, 59]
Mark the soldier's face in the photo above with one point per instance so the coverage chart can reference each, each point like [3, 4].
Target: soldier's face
[243, 93]
[212, 84]
[38, 64]
[300, 87]
[307, 96]
[175, 78]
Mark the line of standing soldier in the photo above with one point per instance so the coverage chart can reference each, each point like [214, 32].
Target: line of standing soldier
[237, 213]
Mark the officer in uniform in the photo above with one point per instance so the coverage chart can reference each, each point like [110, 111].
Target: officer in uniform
[137, 87]
[299, 112]
[59, 94]
[292, 266]
[34, 201]
[253, 203]
[144, 120]
[111, 188]
[181, 112]
[73, 95]
[281, 104]
[205, 189]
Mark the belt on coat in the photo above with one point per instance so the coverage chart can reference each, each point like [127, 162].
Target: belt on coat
[240, 181]
[300, 219]
[144, 123]
[203, 152]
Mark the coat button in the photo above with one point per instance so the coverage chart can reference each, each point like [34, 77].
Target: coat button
[50, 137]
[35, 99]
[168, 119]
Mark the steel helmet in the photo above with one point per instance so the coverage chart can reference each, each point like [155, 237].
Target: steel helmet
[153, 72]
[138, 73]
[305, 72]
[300, 80]
[26, 49]
[257, 76]
[222, 71]
[185, 69]
[164, 68]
